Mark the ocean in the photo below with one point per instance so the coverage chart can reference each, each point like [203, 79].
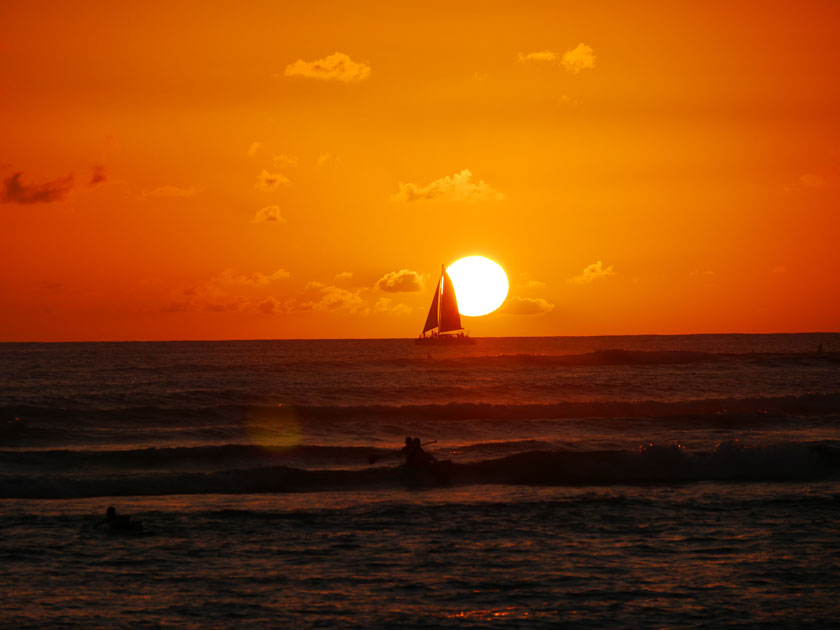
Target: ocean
[583, 482]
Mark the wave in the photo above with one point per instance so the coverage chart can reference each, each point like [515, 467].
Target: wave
[218, 424]
[19, 416]
[610, 357]
[184, 457]
[651, 464]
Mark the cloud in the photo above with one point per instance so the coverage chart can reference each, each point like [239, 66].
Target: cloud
[544, 55]
[270, 181]
[270, 306]
[457, 187]
[252, 279]
[98, 176]
[334, 298]
[335, 67]
[285, 161]
[174, 191]
[344, 275]
[581, 57]
[526, 306]
[384, 305]
[402, 281]
[205, 297]
[238, 303]
[820, 178]
[269, 214]
[215, 296]
[595, 271]
[256, 145]
[324, 158]
[779, 269]
[15, 191]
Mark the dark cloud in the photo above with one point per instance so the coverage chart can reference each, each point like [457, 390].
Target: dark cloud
[270, 306]
[15, 191]
[98, 176]
[51, 286]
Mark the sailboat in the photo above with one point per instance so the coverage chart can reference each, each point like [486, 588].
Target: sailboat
[444, 321]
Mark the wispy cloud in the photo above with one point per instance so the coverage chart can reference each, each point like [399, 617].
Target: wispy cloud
[581, 57]
[220, 294]
[402, 281]
[269, 214]
[335, 67]
[15, 191]
[595, 271]
[270, 306]
[270, 181]
[820, 178]
[335, 298]
[285, 161]
[205, 297]
[98, 176]
[344, 275]
[256, 145]
[457, 187]
[386, 305]
[526, 306]
[251, 279]
[543, 55]
[174, 191]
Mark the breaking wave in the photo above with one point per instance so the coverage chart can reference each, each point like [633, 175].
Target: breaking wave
[651, 464]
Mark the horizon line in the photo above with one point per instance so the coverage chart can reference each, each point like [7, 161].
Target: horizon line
[756, 334]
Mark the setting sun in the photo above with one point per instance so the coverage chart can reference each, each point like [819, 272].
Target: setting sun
[481, 285]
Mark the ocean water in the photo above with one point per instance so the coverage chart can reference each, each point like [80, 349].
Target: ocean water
[598, 482]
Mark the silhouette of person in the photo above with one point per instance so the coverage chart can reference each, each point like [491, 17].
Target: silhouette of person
[119, 522]
[409, 446]
[421, 457]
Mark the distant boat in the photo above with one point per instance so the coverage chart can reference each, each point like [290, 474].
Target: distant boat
[444, 321]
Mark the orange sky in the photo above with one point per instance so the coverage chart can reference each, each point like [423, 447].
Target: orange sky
[635, 167]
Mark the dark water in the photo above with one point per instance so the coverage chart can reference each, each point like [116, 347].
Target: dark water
[594, 482]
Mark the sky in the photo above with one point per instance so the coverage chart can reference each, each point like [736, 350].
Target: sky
[216, 170]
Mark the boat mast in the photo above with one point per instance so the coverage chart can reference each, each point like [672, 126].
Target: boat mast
[440, 296]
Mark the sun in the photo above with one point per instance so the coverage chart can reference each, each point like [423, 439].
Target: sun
[481, 285]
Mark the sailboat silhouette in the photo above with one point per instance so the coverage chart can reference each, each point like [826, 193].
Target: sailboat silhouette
[443, 323]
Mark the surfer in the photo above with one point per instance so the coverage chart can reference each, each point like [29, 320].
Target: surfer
[119, 522]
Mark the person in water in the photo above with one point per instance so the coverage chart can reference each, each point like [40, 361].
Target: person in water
[414, 454]
[119, 522]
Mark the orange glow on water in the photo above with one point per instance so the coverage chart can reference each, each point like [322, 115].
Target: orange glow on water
[279, 427]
